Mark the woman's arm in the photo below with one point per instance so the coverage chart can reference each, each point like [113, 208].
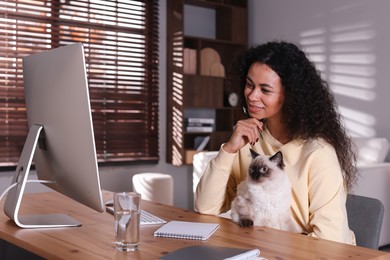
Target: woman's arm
[327, 197]
[217, 186]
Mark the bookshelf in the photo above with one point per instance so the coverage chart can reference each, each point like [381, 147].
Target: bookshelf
[204, 38]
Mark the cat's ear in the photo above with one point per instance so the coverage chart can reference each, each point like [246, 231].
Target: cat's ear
[277, 158]
[254, 154]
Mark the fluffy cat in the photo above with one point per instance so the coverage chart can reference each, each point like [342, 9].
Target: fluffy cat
[264, 198]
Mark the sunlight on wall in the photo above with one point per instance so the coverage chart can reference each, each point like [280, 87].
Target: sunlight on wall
[344, 54]
[359, 124]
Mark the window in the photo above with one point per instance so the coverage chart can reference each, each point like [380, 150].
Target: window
[120, 40]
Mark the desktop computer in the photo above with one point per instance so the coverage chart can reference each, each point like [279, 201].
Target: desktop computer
[60, 141]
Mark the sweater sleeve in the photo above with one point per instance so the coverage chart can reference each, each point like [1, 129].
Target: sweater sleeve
[327, 195]
[212, 191]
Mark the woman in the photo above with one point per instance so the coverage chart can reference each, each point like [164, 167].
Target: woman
[291, 110]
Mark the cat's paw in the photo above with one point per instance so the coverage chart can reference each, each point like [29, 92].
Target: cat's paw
[246, 222]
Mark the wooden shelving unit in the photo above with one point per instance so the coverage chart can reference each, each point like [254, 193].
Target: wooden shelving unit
[196, 90]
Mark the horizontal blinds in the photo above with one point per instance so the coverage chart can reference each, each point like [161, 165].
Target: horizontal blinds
[120, 41]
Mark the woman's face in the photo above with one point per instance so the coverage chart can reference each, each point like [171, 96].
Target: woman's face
[263, 92]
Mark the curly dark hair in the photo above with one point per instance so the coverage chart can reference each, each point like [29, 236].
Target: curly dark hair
[309, 110]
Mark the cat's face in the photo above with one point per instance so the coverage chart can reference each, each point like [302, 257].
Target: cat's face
[263, 168]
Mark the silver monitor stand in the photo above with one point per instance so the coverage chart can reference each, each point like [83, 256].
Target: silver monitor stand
[14, 197]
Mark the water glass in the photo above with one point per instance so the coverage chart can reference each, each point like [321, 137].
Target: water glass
[127, 211]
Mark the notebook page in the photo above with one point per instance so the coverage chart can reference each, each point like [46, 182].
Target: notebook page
[187, 230]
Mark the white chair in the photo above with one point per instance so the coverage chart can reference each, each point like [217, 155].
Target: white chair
[374, 177]
[156, 187]
[199, 164]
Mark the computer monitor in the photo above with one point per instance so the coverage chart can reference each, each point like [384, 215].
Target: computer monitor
[61, 138]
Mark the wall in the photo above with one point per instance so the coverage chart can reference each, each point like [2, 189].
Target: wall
[349, 40]
[119, 178]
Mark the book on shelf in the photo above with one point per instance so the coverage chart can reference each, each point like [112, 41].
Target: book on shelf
[198, 124]
[203, 129]
[200, 142]
[187, 230]
[189, 64]
[212, 252]
[200, 120]
[205, 125]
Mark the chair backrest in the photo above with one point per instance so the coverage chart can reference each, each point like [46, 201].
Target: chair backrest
[154, 186]
[199, 163]
[365, 216]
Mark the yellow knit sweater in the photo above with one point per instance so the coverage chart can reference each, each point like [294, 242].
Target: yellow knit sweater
[319, 195]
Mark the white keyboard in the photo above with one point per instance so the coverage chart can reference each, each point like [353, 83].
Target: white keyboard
[146, 218]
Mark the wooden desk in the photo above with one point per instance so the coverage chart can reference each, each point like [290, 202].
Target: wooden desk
[94, 240]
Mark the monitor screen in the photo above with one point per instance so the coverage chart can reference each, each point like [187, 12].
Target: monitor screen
[61, 136]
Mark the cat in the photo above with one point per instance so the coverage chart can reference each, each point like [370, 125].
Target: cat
[264, 198]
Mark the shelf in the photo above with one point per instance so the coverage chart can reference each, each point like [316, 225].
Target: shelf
[202, 91]
[217, 3]
[194, 41]
[229, 21]
[191, 91]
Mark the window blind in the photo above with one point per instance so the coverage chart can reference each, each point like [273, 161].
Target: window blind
[120, 39]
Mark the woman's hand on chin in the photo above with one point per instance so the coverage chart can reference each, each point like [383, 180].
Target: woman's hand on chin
[245, 131]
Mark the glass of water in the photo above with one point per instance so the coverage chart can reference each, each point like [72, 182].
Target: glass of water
[127, 211]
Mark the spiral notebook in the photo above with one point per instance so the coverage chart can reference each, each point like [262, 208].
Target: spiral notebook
[187, 230]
